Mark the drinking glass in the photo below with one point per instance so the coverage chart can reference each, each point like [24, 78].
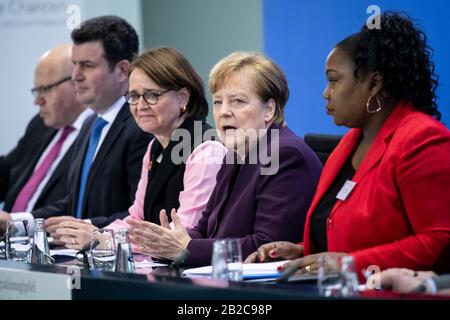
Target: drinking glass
[103, 249]
[17, 241]
[337, 277]
[227, 260]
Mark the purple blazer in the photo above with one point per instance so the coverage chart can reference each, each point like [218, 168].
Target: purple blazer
[258, 208]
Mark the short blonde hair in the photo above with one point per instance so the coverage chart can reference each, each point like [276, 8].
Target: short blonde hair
[266, 76]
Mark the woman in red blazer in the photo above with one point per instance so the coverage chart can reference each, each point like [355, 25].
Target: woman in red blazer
[384, 193]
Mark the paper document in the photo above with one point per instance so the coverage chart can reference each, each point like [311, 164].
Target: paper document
[148, 264]
[64, 252]
[249, 270]
[49, 239]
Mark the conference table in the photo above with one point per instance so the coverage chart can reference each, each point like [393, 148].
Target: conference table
[68, 279]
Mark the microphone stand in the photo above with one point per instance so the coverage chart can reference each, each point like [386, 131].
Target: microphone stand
[88, 246]
[85, 261]
[179, 260]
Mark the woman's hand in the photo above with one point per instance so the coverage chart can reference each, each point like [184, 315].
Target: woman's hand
[279, 250]
[310, 263]
[159, 241]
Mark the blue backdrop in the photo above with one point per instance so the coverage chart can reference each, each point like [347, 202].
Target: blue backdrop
[299, 34]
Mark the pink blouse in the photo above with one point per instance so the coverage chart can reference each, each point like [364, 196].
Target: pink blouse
[199, 181]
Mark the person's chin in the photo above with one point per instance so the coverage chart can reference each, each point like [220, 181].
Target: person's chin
[338, 122]
[84, 99]
[48, 122]
[147, 127]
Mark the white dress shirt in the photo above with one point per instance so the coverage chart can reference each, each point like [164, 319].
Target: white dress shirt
[77, 124]
[109, 116]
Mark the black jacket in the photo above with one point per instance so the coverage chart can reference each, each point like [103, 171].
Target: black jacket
[166, 178]
[17, 167]
[114, 174]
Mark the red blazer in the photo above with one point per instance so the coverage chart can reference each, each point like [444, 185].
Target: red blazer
[398, 213]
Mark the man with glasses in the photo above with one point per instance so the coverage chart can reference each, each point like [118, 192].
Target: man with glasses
[106, 167]
[34, 173]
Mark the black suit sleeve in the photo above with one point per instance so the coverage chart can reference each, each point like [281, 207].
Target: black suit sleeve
[58, 208]
[102, 222]
[5, 166]
[15, 156]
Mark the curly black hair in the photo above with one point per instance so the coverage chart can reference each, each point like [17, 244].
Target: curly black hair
[397, 50]
[119, 39]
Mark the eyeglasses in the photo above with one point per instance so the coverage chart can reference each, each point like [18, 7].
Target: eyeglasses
[44, 90]
[150, 97]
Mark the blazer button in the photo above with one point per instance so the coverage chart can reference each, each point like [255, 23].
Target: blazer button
[330, 223]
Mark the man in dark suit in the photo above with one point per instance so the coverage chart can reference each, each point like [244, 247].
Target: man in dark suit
[34, 173]
[107, 160]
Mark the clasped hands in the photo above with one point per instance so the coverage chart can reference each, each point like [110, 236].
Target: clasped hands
[69, 231]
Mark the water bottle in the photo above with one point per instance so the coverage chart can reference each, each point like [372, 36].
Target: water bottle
[124, 255]
[41, 253]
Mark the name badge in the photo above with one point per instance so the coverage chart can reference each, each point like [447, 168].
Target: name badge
[345, 190]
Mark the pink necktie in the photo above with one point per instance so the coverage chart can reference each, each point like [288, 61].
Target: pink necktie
[28, 190]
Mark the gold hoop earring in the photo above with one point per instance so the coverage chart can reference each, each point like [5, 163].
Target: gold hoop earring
[378, 107]
[183, 109]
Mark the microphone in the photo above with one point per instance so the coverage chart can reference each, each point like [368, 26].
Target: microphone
[288, 272]
[91, 244]
[88, 246]
[179, 259]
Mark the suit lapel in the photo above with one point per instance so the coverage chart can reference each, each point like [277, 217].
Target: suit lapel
[332, 167]
[163, 173]
[75, 173]
[335, 163]
[378, 147]
[222, 196]
[343, 152]
[59, 172]
[382, 140]
[30, 165]
[230, 200]
[114, 132]
[167, 166]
